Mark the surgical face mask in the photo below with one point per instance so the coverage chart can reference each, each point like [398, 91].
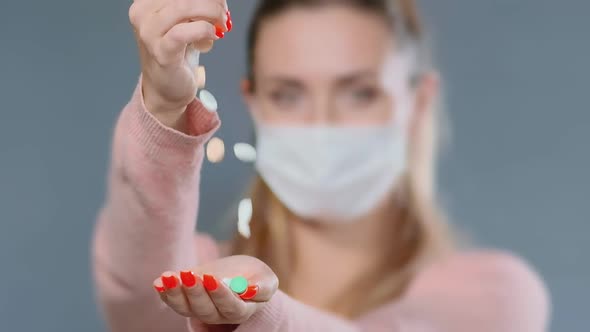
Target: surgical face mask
[331, 173]
[334, 174]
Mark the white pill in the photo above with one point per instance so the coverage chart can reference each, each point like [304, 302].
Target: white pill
[192, 58]
[245, 152]
[244, 217]
[226, 281]
[208, 100]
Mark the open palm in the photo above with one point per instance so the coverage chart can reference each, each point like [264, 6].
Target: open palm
[201, 293]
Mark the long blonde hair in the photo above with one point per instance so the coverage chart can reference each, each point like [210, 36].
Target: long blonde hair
[421, 230]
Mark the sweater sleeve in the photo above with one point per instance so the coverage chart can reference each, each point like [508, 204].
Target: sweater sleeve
[478, 292]
[147, 223]
[285, 314]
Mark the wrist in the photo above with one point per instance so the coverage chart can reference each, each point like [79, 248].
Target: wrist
[175, 119]
[172, 116]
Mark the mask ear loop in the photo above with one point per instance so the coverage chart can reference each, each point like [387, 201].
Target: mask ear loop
[398, 77]
[409, 61]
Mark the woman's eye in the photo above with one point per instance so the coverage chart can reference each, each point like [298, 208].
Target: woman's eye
[364, 94]
[284, 98]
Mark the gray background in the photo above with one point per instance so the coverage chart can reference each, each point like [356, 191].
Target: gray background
[516, 174]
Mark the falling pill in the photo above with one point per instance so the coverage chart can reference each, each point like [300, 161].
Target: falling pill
[215, 150]
[192, 58]
[244, 217]
[201, 76]
[208, 100]
[245, 152]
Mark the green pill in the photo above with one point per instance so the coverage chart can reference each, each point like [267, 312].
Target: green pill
[238, 285]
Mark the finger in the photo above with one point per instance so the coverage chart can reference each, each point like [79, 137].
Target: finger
[229, 305]
[175, 297]
[246, 296]
[262, 292]
[200, 303]
[229, 23]
[140, 9]
[204, 46]
[182, 34]
[250, 293]
[261, 287]
[179, 11]
[159, 287]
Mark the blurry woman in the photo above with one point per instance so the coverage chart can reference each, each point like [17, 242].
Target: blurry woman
[345, 214]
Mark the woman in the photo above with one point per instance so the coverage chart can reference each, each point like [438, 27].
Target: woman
[345, 215]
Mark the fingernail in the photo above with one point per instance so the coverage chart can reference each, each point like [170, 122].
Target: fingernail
[169, 282]
[160, 289]
[209, 282]
[228, 23]
[250, 293]
[218, 32]
[188, 278]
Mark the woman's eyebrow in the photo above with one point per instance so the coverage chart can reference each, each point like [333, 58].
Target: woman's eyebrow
[284, 81]
[341, 80]
[352, 77]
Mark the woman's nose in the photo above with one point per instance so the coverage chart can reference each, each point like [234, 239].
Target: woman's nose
[323, 112]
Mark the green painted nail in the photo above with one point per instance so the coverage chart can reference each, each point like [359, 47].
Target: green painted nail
[238, 285]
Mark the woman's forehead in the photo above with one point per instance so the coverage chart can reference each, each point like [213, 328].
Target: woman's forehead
[322, 41]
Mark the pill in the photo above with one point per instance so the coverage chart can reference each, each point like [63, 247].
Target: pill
[208, 100]
[245, 152]
[201, 76]
[239, 285]
[215, 150]
[192, 58]
[244, 217]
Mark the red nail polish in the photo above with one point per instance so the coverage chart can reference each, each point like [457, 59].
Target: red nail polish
[250, 293]
[169, 282]
[160, 289]
[218, 32]
[209, 282]
[228, 23]
[188, 278]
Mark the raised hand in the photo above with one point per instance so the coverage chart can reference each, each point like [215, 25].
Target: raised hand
[164, 30]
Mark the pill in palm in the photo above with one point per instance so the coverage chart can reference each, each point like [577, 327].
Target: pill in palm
[239, 285]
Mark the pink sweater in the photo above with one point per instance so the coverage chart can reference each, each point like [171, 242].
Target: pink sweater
[147, 226]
